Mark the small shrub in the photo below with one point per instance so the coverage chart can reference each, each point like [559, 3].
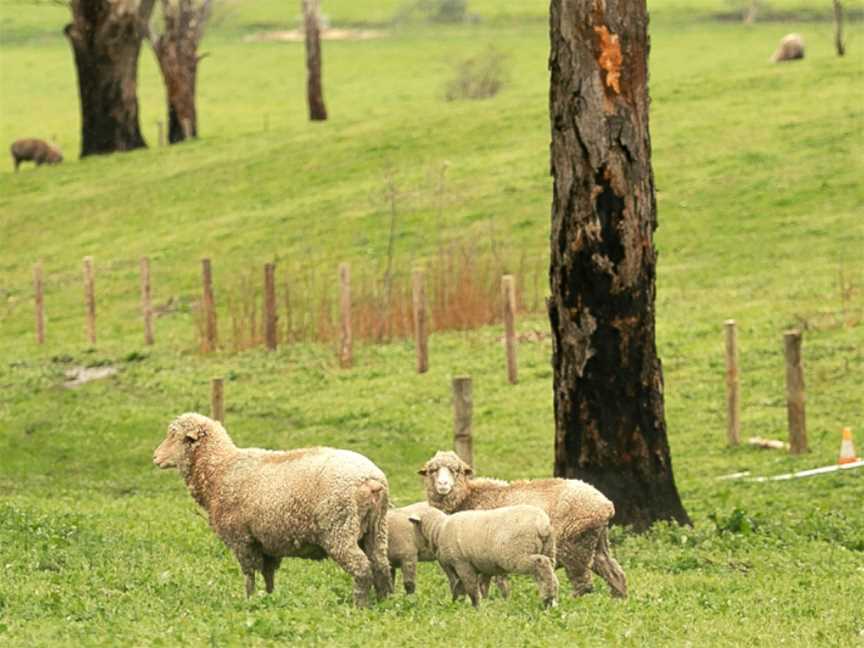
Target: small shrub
[478, 77]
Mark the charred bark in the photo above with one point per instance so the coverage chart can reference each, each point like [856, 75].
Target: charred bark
[106, 41]
[608, 381]
[314, 90]
[176, 50]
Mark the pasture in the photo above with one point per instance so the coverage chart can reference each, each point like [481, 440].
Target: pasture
[760, 201]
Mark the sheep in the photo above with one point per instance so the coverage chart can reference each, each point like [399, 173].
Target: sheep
[791, 47]
[406, 547]
[495, 542]
[579, 512]
[35, 150]
[267, 505]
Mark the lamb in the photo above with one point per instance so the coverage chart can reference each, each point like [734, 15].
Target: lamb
[35, 150]
[579, 513]
[267, 505]
[406, 547]
[791, 48]
[489, 543]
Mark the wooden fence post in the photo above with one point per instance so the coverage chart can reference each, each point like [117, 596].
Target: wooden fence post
[508, 292]
[90, 299]
[421, 324]
[463, 406]
[208, 305]
[146, 305]
[39, 292]
[795, 393]
[217, 400]
[733, 398]
[270, 330]
[345, 343]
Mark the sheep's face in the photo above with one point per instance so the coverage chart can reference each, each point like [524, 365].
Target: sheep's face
[183, 433]
[442, 472]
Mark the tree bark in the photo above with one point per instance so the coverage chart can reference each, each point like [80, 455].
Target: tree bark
[176, 51]
[608, 381]
[106, 41]
[314, 91]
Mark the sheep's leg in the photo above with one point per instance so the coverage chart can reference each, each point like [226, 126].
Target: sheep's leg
[375, 548]
[470, 581]
[269, 567]
[343, 549]
[484, 585]
[605, 566]
[456, 588]
[503, 585]
[543, 571]
[251, 560]
[577, 557]
[409, 575]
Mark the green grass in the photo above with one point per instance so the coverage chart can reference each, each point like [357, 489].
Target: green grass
[758, 169]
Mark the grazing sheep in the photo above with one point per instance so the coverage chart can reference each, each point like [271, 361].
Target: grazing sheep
[35, 150]
[500, 541]
[406, 547]
[579, 512]
[791, 47]
[267, 505]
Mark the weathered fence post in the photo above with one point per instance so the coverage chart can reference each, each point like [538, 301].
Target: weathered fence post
[345, 342]
[90, 299]
[463, 406]
[39, 293]
[270, 330]
[508, 292]
[161, 128]
[208, 306]
[146, 306]
[733, 400]
[217, 400]
[795, 393]
[421, 324]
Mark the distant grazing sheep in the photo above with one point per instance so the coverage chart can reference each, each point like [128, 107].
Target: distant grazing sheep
[267, 505]
[35, 150]
[512, 539]
[406, 547]
[579, 512]
[791, 47]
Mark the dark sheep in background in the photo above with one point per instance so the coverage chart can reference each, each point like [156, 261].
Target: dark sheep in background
[35, 150]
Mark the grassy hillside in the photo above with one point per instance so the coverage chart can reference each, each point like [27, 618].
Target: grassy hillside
[758, 169]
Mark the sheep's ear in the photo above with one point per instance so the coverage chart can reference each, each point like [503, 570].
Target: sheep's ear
[415, 519]
[194, 433]
[468, 471]
[423, 471]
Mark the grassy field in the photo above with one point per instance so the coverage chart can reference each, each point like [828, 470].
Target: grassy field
[758, 170]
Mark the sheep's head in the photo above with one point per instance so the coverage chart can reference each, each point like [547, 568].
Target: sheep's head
[426, 527]
[446, 478]
[184, 433]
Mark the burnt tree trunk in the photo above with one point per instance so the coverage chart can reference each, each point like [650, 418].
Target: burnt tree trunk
[314, 91]
[106, 41]
[608, 382]
[176, 50]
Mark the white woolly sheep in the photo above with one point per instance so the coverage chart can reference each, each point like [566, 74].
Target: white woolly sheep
[513, 539]
[579, 512]
[267, 505]
[791, 48]
[406, 547]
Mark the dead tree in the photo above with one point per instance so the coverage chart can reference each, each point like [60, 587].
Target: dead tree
[608, 383]
[314, 90]
[106, 39]
[176, 50]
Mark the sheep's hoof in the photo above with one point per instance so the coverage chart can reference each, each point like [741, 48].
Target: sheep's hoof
[409, 588]
[550, 603]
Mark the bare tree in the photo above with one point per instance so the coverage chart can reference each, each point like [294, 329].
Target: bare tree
[314, 91]
[839, 43]
[106, 36]
[608, 381]
[176, 50]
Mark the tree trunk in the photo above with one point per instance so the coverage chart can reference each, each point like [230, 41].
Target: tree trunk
[106, 40]
[314, 92]
[608, 381]
[839, 43]
[176, 51]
